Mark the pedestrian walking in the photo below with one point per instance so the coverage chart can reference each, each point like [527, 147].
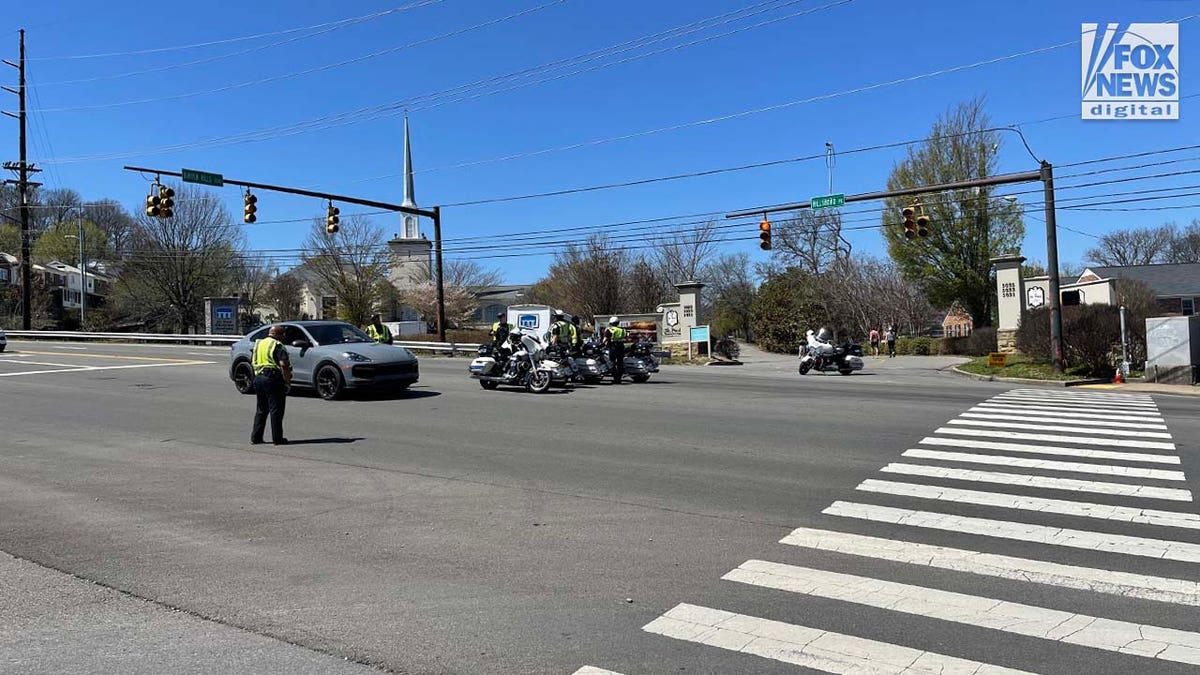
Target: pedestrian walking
[874, 342]
[891, 341]
[378, 332]
[272, 377]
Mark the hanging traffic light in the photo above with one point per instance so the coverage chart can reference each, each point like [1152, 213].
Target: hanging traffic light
[250, 208]
[166, 204]
[764, 234]
[910, 224]
[152, 205]
[922, 224]
[331, 219]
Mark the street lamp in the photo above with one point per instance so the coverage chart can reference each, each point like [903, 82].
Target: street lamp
[82, 272]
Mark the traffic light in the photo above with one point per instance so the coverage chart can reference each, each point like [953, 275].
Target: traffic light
[764, 234]
[916, 223]
[166, 202]
[152, 205]
[250, 208]
[331, 219]
[910, 224]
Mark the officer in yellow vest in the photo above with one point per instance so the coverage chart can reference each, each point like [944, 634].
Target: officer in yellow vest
[614, 337]
[272, 376]
[378, 332]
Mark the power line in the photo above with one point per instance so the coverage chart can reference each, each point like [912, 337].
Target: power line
[320, 29]
[310, 71]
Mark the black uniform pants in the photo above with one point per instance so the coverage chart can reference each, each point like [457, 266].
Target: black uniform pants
[616, 353]
[272, 400]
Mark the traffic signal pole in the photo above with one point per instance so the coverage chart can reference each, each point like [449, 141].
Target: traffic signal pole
[1045, 174]
[435, 214]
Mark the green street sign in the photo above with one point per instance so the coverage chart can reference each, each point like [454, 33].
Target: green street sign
[203, 178]
[828, 201]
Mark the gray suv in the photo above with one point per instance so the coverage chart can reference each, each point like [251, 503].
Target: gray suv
[330, 357]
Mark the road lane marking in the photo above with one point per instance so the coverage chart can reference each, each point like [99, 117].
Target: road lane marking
[1144, 547]
[1125, 584]
[809, 647]
[592, 670]
[25, 362]
[1056, 427]
[1054, 438]
[992, 415]
[113, 356]
[1039, 411]
[1051, 450]
[1123, 637]
[1071, 394]
[1124, 514]
[1042, 482]
[1047, 464]
[91, 369]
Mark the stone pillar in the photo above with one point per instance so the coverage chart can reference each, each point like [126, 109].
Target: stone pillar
[1010, 300]
[689, 305]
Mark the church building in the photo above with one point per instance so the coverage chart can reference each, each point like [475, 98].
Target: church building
[410, 253]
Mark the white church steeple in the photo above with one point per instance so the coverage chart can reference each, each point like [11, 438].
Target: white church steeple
[412, 226]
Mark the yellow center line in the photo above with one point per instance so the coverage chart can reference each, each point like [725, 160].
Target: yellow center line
[110, 356]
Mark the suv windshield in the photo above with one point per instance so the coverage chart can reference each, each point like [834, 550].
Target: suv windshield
[328, 334]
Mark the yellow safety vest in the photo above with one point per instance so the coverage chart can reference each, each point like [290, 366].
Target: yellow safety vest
[264, 355]
[616, 333]
[378, 335]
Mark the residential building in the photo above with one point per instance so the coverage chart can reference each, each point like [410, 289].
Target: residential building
[957, 322]
[496, 299]
[1176, 286]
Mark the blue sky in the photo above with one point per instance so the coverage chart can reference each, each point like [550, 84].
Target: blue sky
[853, 44]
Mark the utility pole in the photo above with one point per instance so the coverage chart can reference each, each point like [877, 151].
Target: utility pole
[1056, 327]
[441, 292]
[23, 169]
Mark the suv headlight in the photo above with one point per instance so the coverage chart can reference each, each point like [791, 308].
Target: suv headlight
[356, 357]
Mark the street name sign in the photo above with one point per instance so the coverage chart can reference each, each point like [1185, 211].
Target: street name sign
[203, 178]
[828, 201]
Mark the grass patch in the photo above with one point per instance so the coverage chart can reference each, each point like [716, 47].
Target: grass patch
[1019, 366]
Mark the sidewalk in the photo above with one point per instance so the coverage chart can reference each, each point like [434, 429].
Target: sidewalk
[1147, 387]
[756, 361]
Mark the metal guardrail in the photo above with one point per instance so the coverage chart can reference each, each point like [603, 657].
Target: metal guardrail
[451, 347]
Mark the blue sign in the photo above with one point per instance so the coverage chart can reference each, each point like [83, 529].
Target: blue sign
[527, 321]
[698, 334]
[224, 312]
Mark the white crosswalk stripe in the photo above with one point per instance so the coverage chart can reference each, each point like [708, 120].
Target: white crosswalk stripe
[1047, 464]
[1043, 482]
[1049, 624]
[1051, 450]
[1032, 429]
[1125, 584]
[810, 647]
[1125, 514]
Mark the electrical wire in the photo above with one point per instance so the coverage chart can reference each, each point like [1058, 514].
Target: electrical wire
[310, 71]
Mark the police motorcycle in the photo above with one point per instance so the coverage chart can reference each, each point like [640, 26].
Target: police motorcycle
[591, 364]
[524, 364]
[640, 361]
[818, 353]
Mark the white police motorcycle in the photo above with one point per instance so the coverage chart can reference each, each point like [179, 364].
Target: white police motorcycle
[525, 365]
[819, 354]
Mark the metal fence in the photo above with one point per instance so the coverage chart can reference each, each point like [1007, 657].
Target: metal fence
[452, 348]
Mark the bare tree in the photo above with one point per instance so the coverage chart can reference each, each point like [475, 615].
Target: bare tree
[811, 240]
[351, 264]
[1185, 247]
[460, 302]
[115, 221]
[643, 286]
[285, 295]
[470, 274]
[179, 261]
[731, 294]
[585, 278]
[683, 253]
[1137, 246]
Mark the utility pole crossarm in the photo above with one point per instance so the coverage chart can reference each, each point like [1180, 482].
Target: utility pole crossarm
[298, 191]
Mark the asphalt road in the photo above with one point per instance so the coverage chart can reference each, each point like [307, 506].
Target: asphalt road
[456, 530]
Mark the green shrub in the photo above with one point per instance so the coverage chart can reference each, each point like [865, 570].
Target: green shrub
[782, 311]
[978, 343]
[1089, 333]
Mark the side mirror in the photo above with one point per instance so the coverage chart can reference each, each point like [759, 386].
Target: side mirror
[302, 344]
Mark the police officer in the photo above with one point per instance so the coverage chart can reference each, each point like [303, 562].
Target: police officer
[577, 333]
[272, 376]
[562, 333]
[614, 338]
[500, 330]
[378, 332]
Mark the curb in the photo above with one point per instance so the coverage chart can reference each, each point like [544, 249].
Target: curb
[1026, 380]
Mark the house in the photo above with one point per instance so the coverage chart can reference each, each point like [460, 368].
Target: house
[65, 283]
[1176, 286]
[957, 322]
[10, 270]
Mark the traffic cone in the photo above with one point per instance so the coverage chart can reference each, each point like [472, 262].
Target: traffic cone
[1119, 379]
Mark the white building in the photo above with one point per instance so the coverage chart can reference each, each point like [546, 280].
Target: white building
[68, 279]
[410, 253]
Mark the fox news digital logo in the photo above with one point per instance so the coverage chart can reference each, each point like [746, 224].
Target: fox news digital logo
[1131, 71]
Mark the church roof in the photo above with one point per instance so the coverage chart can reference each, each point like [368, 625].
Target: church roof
[1166, 279]
[410, 194]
